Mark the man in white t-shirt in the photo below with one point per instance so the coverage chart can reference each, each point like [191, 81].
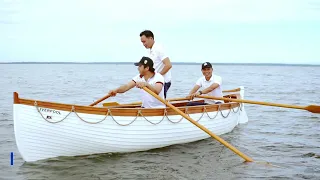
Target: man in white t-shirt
[147, 77]
[161, 61]
[210, 84]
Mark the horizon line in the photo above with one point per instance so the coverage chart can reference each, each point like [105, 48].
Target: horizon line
[175, 63]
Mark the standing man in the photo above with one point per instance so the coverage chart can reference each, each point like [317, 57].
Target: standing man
[161, 61]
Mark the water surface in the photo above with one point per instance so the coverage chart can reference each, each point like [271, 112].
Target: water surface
[289, 139]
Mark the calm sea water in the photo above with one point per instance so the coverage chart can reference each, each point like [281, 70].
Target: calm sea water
[289, 139]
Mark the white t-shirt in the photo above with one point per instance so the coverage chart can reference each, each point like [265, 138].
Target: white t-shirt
[157, 54]
[203, 83]
[148, 101]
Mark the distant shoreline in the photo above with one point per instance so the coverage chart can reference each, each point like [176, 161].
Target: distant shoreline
[175, 63]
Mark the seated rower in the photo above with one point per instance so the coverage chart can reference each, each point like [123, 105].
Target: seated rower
[147, 77]
[210, 84]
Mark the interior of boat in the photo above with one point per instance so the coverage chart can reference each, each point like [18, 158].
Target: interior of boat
[183, 103]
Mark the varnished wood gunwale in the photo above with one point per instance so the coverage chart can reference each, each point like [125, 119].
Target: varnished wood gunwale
[123, 111]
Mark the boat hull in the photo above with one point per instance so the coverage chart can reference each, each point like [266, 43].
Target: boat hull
[46, 130]
[80, 134]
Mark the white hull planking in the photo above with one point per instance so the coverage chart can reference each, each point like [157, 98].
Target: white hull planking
[38, 139]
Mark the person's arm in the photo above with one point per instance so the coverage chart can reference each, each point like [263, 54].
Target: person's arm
[156, 88]
[167, 66]
[209, 89]
[194, 89]
[165, 60]
[123, 88]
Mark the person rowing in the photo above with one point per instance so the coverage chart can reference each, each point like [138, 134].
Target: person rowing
[147, 77]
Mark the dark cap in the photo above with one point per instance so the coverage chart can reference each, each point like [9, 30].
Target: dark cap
[146, 61]
[206, 65]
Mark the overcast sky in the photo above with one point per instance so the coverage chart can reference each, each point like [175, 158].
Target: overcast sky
[221, 31]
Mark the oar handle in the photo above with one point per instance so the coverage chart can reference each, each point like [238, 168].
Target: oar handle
[98, 101]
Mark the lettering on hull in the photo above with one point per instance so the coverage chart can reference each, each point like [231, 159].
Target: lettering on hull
[50, 110]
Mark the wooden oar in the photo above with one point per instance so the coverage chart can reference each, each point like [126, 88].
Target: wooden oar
[138, 103]
[232, 90]
[310, 108]
[98, 101]
[248, 159]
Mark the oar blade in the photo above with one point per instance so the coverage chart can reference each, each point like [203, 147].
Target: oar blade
[111, 104]
[313, 108]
